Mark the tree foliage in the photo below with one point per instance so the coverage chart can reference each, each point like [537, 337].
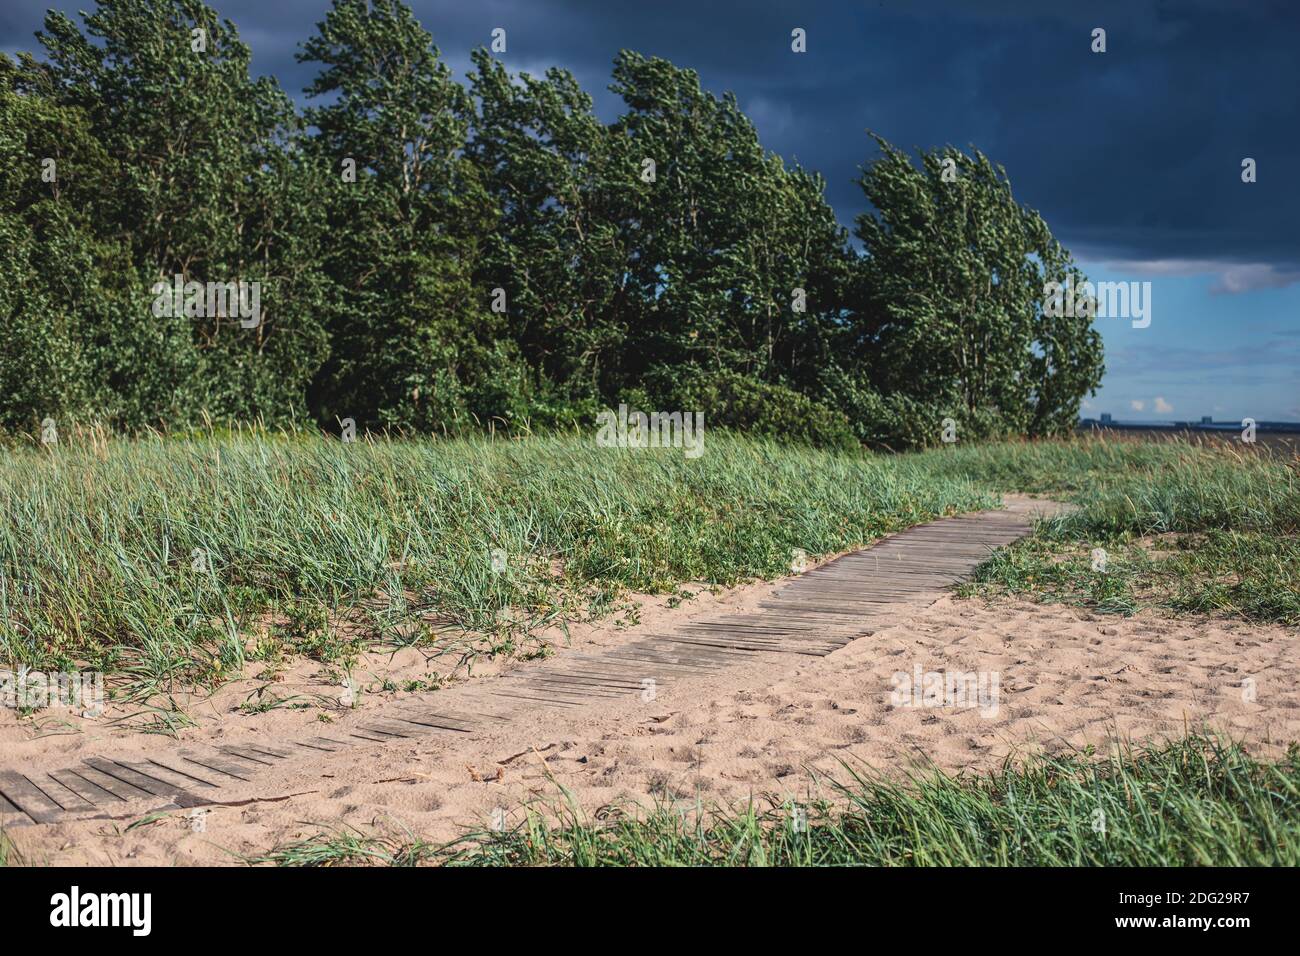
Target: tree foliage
[949, 311]
[410, 334]
[436, 255]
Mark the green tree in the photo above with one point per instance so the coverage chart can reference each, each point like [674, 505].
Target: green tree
[413, 339]
[205, 187]
[431, 256]
[949, 302]
[557, 248]
[720, 243]
[50, 261]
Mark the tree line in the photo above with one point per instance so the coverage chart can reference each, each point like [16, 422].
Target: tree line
[435, 255]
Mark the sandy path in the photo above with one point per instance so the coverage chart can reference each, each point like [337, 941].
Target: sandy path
[767, 726]
[89, 767]
[767, 729]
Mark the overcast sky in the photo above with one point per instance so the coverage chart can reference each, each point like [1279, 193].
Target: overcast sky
[1133, 155]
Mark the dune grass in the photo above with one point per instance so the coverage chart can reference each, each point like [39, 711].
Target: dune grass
[1196, 802]
[1251, 575]
[164, 559]
[172, 560]
[1211, 528]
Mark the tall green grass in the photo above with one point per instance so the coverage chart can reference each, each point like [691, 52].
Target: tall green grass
[166, 559]
[1230, 517]
[1140, 488]
[162, 557]
[1197, 802]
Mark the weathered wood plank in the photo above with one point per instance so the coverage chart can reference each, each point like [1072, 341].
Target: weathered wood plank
[215, 761]
[20, 792]
[65, 796]
[110, 782]
[154, 786]
[85, 789]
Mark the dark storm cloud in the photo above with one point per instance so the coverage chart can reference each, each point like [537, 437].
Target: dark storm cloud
[1131, 155]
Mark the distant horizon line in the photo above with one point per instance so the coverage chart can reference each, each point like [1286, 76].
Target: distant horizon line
[1205, 423]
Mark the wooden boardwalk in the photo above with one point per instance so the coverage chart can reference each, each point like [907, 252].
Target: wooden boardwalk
[812, 614]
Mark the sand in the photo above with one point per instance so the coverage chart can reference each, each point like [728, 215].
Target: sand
[772, 728]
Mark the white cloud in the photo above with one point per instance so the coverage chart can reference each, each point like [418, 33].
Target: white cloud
[1233, 277]
[1248, 278]
[1137, 406]
[1162, 406]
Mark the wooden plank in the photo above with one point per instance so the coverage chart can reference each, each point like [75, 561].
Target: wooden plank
[437, 719]
[215, 761]
[252, 756]
[268, 750]
[630, 680]
[542, 700]
[152, 785]
[65, 796]
[549, 692]
[363, 734]
[85, 789]
[315, 747]
[20, 792]
[723, 644]
[545, 685]
[8, 809]
[432, 723]
[600, 677]
[637, 656]
[669, 643]
[114, 785]
[389, 730]
[144, 776]
[186, 777]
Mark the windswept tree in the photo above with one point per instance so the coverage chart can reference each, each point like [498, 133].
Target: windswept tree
[733, 259]
[203, 187]
[557, 250]
[52, 265]
[435, 256]
[412, 337]
[667, 258]
[949, 313]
